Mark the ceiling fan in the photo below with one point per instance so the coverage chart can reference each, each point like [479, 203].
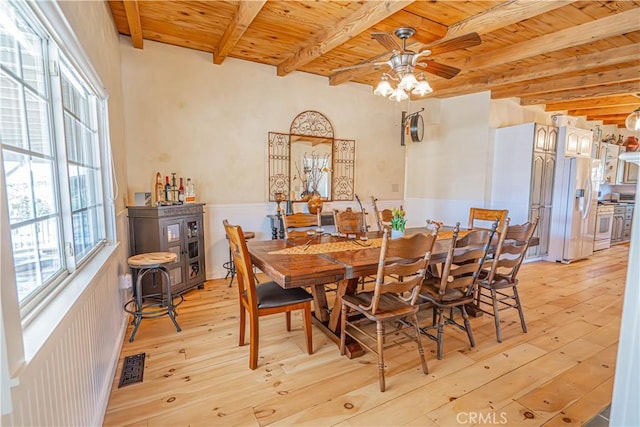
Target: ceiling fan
[403, 62]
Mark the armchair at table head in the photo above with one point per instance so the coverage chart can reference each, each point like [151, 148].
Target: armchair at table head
[486, 217]
[392, 299]
[264, 298]
[297, 224]
[348, 221]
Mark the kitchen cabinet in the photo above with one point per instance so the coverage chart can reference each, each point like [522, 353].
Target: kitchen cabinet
[577, 142]
[178, 229]
[627, 172]
[617, 233]
[523, 172]
[608, 155]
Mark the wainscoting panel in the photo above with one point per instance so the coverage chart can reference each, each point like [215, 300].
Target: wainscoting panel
[68, 381]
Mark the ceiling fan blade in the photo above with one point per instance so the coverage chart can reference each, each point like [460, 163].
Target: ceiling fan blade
[440, 70]
[361, 65]
[462, 42]
[387, 40]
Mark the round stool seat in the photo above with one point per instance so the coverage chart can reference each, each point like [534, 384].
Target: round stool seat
[151, 259]
[152, 305]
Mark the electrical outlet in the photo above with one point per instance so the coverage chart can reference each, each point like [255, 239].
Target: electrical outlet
[125, 281]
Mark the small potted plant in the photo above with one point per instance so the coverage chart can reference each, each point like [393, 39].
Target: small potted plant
[398, 222]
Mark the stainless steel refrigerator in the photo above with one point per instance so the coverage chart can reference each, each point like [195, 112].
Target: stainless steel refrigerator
[575, 202]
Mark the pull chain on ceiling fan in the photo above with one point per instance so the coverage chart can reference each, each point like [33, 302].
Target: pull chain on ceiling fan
[403, 62]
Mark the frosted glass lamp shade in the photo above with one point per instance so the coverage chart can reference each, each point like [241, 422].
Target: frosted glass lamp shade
[632, 121]
[408, 82]
[399, 95]
[423, 88]
[383, 88]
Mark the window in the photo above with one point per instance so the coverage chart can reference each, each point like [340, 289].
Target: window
[51, 158]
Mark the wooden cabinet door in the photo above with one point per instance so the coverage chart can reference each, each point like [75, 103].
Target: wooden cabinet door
[540, 137]
[173, 241]
[537, 176]
[194, 249]
[552, 140]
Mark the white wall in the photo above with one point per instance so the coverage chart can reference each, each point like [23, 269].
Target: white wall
[210, 123]
[449, 171]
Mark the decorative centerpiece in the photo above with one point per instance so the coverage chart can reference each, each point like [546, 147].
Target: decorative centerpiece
[398, 222]
[315, 167]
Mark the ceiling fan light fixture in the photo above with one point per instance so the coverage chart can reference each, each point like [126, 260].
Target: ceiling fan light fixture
[632, 122]
[384, 87]
[399, 95]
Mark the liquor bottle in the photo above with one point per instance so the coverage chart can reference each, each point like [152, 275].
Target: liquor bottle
[159, 190]
[181, 192]
[190, 192]
[167, 190]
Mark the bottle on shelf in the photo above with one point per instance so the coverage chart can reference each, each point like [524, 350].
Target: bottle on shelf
[159, 190]
[190, 192]
[174, 188]
[181, 192]
[167, 190]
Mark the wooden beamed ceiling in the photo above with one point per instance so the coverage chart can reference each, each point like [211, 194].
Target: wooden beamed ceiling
[580, 58]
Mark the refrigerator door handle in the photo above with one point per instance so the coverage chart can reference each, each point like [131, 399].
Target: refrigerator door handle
[585, 211]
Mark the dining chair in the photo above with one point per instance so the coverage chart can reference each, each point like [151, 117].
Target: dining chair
[348, 221]
[494, 283]
[383, 217]
[391, 300]
[486, 217]
[263, 299]
[456, 285]
[297, 224]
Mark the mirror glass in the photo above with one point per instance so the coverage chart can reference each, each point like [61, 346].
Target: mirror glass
[311, 167]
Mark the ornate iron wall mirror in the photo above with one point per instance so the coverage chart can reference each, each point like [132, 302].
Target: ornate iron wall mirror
[309, 160]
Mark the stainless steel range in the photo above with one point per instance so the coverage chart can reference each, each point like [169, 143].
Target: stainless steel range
[604, 227]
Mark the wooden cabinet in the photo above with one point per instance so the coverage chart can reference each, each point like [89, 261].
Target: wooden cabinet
[576, 142]
[178, 229]
[523, 172]
[627, 172]
[608, 155]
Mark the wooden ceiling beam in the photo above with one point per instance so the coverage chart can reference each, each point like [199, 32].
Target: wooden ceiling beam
[570, 83]
[492, 19]
[546, 69]
[590, 92]
[502, 15]
[617, 117]
[604, 101]
[618, 109]
[620, 23]
[133, 19]
[370, 13]
[244, 16]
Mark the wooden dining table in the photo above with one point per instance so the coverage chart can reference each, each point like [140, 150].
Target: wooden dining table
[355, 258]
[320, 259]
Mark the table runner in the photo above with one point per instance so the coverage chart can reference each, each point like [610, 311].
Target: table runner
[347, 245]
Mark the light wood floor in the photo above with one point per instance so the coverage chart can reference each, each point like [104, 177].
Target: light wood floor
[559, 373]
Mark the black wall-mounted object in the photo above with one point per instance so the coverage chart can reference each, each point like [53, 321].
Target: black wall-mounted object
[416, 126]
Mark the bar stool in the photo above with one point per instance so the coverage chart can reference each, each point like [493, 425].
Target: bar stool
[230, 266]
[153, 305]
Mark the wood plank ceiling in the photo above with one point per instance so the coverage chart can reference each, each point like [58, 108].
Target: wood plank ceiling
[580, 58]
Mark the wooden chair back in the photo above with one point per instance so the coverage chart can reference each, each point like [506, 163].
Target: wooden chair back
[348, 221]
[406, 257]
[297, 224]
[243, 265]
[383, 217]
[512, 248]
[487, 216]
[465, 259]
